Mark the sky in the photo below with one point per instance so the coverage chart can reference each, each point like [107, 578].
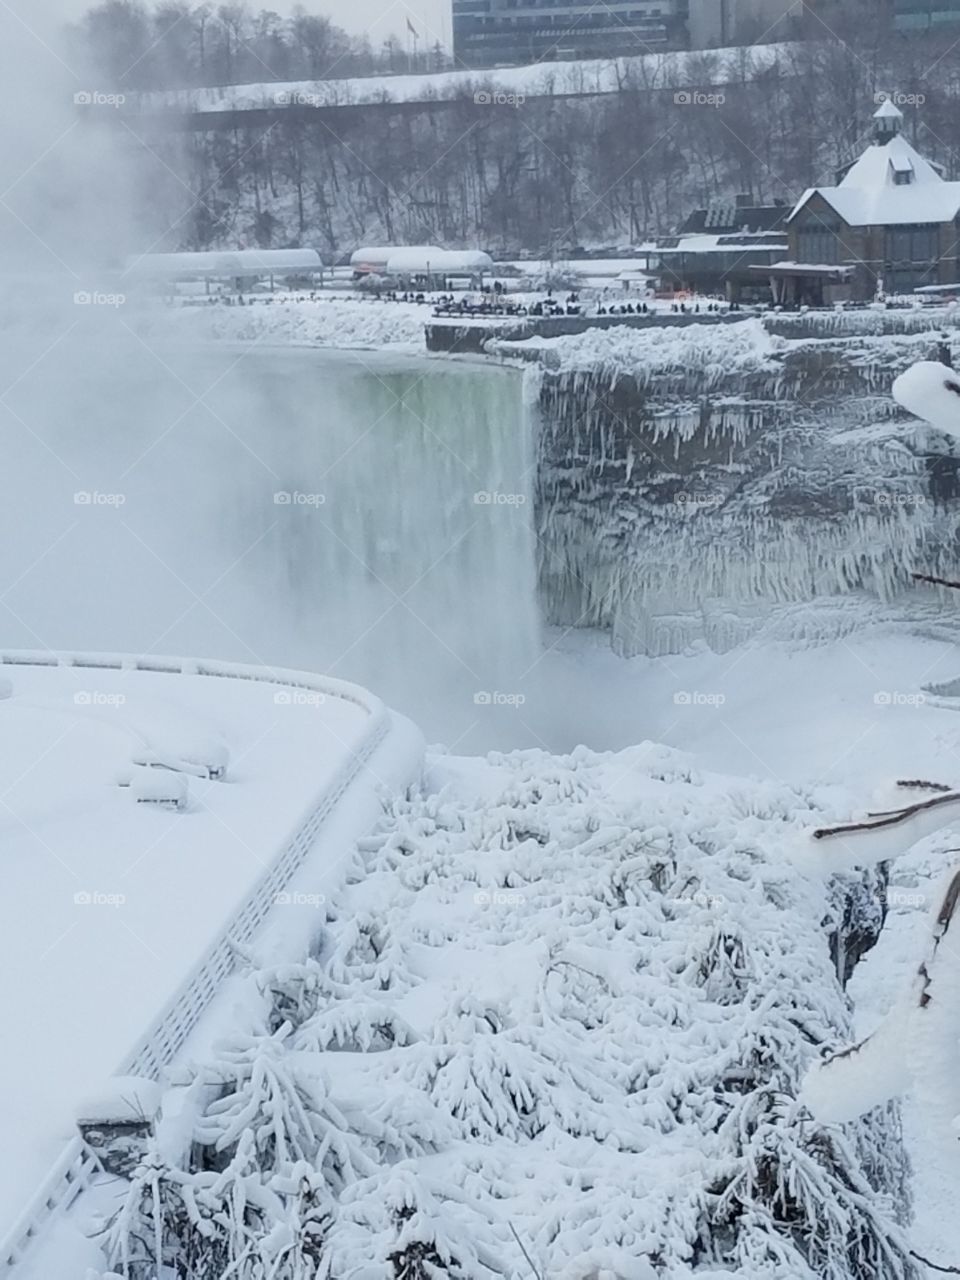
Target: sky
[379, 18]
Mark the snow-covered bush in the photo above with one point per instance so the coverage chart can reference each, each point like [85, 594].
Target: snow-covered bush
[558, 1026]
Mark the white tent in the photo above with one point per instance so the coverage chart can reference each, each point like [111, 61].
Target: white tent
[225, 264]
[417, 261]
[374, 258]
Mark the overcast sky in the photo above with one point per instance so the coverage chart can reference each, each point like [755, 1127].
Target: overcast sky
[376, 17]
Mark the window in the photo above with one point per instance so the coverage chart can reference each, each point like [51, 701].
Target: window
[912, 243]
[821, 242]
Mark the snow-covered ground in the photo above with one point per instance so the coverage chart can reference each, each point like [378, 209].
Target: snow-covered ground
[531, 1030]
[109, 903]
[601, 75]
[849, 711]
[336, 320]
[480, 903]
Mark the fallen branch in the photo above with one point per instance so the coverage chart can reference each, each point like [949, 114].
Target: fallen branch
[918, 784]
[890, 819]
[944, 918]
[953, 1271]
[523, 1249]
[937, 582]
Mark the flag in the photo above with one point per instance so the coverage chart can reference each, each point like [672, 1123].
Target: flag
[412, 29]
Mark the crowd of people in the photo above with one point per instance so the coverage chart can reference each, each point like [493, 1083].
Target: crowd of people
[465, 305]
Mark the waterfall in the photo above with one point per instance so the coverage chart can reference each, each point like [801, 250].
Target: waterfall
[354, 514]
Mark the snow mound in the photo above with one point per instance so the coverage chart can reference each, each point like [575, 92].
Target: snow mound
[122, 1098]
[697, 348]
[354, 323]
[556, 1023]
[925, 390]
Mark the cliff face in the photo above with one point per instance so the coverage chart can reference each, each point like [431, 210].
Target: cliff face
[693, 486]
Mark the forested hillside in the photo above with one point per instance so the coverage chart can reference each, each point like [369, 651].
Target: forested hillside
[545, 172]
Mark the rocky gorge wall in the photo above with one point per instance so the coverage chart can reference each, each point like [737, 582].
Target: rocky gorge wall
[707, 483]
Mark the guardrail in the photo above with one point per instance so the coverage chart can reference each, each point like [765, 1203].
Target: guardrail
[161, 1042]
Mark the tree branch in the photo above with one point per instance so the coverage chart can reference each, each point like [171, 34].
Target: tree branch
[937, 582]
[891, 819]
[523, 1249]
[953, 1271]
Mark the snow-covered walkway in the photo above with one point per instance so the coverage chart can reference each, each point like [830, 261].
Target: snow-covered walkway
[113, 908]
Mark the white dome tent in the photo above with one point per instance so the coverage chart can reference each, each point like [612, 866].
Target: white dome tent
[225, 265]
[424, 265]
[373, 259]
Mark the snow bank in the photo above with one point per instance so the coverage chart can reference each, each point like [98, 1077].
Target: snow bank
[925, 390]
[708, 351]
[607, 75]
[122, 1098]
[361, 323]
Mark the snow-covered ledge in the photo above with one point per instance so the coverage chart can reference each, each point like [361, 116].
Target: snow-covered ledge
[400, 761]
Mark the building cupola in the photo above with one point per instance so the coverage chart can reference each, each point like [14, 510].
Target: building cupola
[887, 122]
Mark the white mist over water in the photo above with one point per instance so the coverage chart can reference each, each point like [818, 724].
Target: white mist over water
[138, 503]
[342, 513]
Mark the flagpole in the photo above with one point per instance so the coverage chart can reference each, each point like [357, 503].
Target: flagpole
[414, 33]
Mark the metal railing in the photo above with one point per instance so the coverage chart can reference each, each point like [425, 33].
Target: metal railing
[163, 1039]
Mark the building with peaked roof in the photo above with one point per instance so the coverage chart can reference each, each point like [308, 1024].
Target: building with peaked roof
[889, 225]
[721, 248]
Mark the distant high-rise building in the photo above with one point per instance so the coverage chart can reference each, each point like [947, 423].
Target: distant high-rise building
[718, 23]
[925, 15]
[488, 33]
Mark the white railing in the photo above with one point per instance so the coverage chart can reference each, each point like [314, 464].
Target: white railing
[158, 1046]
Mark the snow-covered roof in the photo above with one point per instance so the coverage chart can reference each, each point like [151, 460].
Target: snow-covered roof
[745, 243]
[379, 255]
[219, 262]
[888, 110]
[788, 268]
[870, 196]
[419, 259]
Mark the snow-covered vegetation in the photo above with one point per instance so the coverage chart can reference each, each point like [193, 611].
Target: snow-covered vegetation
[603, 153]
[555, 1024]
